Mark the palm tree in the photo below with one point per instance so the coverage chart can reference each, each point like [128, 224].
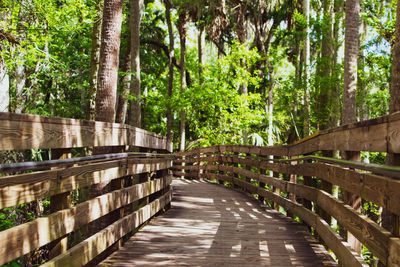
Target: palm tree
[109, 59]
[136, 7]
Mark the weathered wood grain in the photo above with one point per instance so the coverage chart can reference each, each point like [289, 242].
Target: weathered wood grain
[87, 250]
[209, 225]
[346, 256]
[20, 132]
[368, 232]
[383, 191]
[23, 188]
[24, 238]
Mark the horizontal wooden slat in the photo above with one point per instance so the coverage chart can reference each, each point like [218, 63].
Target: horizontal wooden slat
[381, 190]
[87, 250]
[23, 188]
[394, 252]
[20, 132]
[24, 238]
[368, 232]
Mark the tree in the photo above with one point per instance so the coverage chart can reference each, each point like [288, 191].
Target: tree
[109, 58]
[350, 61]
[136, 10]
[183, 18]
[125, 81]
[170, 67]
[306, 56]
[4, 89]
[94, 60]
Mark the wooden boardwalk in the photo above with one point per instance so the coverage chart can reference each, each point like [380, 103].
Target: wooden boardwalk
[211, 225]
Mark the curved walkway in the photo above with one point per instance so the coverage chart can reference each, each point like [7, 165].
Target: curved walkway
[211, 225]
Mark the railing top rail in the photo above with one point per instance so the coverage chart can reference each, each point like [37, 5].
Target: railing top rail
[376, 135]
[25, 131]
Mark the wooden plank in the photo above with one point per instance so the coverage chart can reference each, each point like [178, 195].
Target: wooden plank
[205, 228]
[44, 230]
[24, 188]
[82, 253]
[368, 232]
[394, 252]
[342, 250]
[330, 237]
[20, 132]
[381, 190]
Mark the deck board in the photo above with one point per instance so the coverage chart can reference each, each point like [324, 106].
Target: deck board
[211, 225]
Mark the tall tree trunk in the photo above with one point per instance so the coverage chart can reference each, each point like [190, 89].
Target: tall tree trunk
[182, 36]
[4, 89]
[337, 60]
[325, 85]
[20, 79]
[362, 105]
[109, 61]
[200, 27]
[306, 53]
[270, 104]
[171, 68]
[350, 61]
[125, 84]
[200, 54]
[94, 61]
[136, 10]
[349, 95]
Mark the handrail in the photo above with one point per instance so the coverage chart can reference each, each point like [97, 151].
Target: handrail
[135, 186]
[245, 167]
[41, 165]
[22, 131]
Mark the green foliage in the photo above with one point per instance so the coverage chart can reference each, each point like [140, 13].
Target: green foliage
[217, 111]
[54, 41]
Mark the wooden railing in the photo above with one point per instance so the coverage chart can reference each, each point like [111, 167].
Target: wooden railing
[295, 173]
[105, 218]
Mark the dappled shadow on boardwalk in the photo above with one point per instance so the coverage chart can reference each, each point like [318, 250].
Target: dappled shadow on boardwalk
[210, 225]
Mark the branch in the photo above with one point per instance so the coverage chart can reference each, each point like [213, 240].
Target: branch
[164, 48]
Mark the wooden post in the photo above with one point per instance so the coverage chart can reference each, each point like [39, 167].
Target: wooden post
[327, 187]
[59, 202]
[292, 197]
[274, 189]
[236, 165]
[262, 185]
[353, 201]
[391, 221]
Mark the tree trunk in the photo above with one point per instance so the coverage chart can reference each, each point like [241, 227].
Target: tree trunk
[337, 59]
[171, 68]
[306, 53]
[200, 54]
[325, 85]
[270, 104]
[350, 61]
[349, 95]
[94, 61]
[4, 89]
[20, 94]
[108, 68]
[182, 36]
[135, 115]
[125, 84]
